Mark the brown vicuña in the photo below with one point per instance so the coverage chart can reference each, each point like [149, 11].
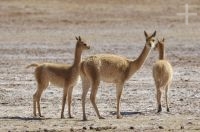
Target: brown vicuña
[112, 69]
[162, 74]
[62, 75]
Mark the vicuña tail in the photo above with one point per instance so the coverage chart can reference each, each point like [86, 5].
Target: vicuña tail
[32, 65]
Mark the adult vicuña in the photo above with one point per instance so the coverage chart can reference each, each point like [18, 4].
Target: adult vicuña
[112, 69]
[62, 75]
[162, 74]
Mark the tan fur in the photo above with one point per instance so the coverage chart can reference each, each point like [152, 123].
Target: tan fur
[112, 69]
[162, 74]
[62, 75]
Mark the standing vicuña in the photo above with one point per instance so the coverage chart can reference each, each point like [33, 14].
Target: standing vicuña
[58, 74]
[162, 74]
[112, 69]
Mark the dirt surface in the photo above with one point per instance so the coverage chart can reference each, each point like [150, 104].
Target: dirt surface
[45, 30]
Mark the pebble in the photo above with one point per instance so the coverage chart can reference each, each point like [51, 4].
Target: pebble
[190, 123]
[71, 129]
[84, 128]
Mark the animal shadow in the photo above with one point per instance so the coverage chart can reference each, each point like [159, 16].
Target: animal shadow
[127, 113]
[23, 118]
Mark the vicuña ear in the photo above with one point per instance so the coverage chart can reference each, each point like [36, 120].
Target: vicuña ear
[154, 34]
[146, 35]
[79, 38]
[76, 38]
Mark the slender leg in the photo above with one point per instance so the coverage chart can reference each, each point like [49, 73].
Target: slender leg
[65, 91]
[38, 101]
[70, 101]
[95, 85]
[34, 103]
[85, 88]
[37, 96]
[118, 94]
[166, 98]
[42, 82]
[159, 100]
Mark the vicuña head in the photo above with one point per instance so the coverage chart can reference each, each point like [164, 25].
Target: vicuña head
[150, 39]
[81, 44]
[112, 69]
[159, 44]
[160, 47]
[62, 75]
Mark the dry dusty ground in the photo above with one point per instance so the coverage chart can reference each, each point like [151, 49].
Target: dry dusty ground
[44, 31]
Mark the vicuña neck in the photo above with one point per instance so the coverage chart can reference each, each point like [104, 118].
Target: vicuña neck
[77, 57]
[141, 59]
[137, 64]
[162, 53]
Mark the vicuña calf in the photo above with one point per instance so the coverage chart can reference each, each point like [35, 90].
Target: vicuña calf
[112, 69]
[162, 74]
[58, 74]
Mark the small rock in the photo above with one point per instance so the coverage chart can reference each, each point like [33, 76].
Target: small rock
[98, 129]
[190, 123]
[161, 127]
[84, 128]
[182, 127]
[181, 100]
[71, 129]
[131, 128]
[91, 128]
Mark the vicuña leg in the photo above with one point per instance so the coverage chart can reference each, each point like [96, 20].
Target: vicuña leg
[95, 85]
[159, 99]
[39, 93]
[85, 86]
[119, 93]
[34, 103]
[65, 91]
[70, 101]
[37, 96]
[166, 97]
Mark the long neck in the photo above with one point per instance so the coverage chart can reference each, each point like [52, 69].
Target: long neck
[141, 59]
[136, 64]
[162, 53]
[77, 57]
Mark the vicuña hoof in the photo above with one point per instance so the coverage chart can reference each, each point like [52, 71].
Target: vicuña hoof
[119, 117]
[101, 117]
[41, 116]
[84, 119]
[62, 117]
[71, 117]
[167, 109]
[159, 109]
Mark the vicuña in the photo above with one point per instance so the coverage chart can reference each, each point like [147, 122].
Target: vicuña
[162, 74]
[112, 69]
[62, 75]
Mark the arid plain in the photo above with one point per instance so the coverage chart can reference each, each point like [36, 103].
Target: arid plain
[45, 30]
